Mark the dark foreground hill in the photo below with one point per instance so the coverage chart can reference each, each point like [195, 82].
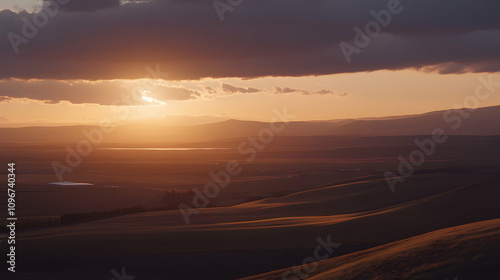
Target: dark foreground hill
[470, 251]
[265, 235]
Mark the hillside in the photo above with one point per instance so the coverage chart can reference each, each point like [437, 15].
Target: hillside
[276, 231]
[478, 122]
[482, 121]
[470, 251]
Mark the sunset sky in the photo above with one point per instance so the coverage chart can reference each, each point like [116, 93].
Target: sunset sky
[87, 55]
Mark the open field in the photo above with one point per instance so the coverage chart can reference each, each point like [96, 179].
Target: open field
[143, 176]
[334, 191]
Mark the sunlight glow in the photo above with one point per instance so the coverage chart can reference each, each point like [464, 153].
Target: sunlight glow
[150, 99]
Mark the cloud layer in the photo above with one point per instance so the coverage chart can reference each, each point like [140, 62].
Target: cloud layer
[89, 5]
[133, 93]
[103, 40]
[227, 88]
[102, 92]
[286, 90]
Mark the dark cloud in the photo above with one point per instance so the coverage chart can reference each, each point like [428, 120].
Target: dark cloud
[285, 90]
[3, 119]
[4, 98]
[227, 88]
[210, 90]
[324, 92]
[257, 38]
[88, 5]
[173, 93]
[102, 92]
[280, 90]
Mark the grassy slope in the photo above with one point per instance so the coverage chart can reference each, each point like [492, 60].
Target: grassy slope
[470, 251]
[354, 214]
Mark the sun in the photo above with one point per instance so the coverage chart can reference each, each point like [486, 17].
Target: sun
[150, 99]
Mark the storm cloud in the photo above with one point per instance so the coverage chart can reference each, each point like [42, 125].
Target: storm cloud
[88, 5]
[97, 40]
[101, 92]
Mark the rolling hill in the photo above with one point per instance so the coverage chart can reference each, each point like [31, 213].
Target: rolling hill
[482, 121]
[469, 251]
[274, 232]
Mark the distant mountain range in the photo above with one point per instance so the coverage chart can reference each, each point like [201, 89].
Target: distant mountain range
[482, 121]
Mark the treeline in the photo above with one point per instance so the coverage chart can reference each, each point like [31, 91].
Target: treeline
[172, 199]
[169, 201]
[250, 198]
[82, 217]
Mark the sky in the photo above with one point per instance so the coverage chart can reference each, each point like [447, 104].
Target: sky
[20, 5]
[74, 62]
